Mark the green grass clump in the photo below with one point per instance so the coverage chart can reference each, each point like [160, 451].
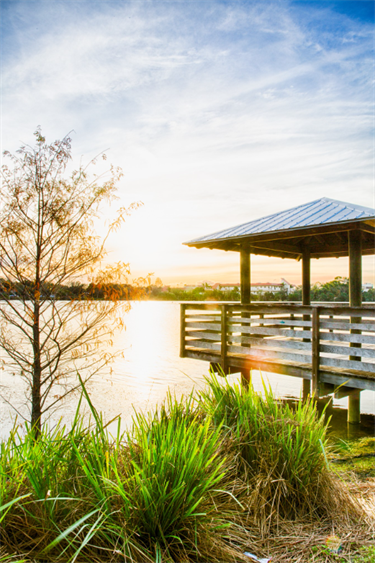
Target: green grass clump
[169, 476]
[280, 452]
[148, 494]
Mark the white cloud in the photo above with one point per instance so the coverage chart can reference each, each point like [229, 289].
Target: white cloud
[219, 113]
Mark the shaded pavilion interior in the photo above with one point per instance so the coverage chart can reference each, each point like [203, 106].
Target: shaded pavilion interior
[324, 228]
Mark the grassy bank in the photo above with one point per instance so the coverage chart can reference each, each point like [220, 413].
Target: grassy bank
[202, 479]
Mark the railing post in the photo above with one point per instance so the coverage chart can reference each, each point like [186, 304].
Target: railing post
[245, 373]
[182, 330]
[355, 300]
[315, 352]
[224, 345]
[306, 383]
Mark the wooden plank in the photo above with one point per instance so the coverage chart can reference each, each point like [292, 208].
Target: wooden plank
[347, 364]
[346, 325]
[268, 321]
[199, 306]
[208, 318]
[268, 309]
[294, 369]
[271, 343]
[328, 374]
[204, 335]
[205, 355]
[273, 354]
[243, 321]
[339, 337]
[270, 331]
[338, 378]
[347, 351]
[315, 353]
[203, 326]
[345, 311]
[202, 344]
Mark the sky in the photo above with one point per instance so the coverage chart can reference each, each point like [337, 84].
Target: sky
[218, 112]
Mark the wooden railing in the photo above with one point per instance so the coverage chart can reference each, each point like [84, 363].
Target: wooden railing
[327, 338]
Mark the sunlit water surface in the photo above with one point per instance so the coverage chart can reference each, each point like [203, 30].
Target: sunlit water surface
[149, 367]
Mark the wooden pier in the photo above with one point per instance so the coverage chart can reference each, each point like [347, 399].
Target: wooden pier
[333, 346]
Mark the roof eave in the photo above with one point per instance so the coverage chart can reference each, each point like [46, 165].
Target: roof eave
[286, 233]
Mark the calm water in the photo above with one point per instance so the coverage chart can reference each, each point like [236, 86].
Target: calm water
[150, 366]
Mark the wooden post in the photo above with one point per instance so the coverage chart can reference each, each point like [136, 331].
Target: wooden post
[182, 330]
[224, 340]
[245, 297]
[355, 268]
[245, 277]
[315, 353]
[306, 276]
[306, 300]
[355, 300]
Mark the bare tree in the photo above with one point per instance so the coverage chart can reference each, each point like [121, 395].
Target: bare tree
[47, 239]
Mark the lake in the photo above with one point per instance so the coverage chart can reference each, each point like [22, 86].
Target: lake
[149, 367]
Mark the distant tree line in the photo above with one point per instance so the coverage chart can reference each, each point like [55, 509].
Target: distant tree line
[335, 290]
[73, 291]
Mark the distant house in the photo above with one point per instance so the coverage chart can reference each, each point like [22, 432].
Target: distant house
[272, 287]
[367, 286]
[226, 286]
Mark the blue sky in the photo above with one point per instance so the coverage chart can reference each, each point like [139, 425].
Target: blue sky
[218, 113]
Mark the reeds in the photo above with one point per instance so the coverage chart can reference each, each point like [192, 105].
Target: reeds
[192, 481]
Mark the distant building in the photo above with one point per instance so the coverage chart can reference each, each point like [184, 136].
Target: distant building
[226, 286]
[260, 287]
[367, 286]
[272, 287]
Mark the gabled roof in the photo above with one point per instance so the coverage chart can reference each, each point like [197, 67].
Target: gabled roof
[300, 224]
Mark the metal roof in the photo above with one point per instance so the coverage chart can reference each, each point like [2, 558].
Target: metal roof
[322, 211]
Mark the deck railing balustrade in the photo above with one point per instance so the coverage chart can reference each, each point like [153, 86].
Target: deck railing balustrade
[333, 345]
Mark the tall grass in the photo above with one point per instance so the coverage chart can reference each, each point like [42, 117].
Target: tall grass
[179, 485]
[279, 451]
[148, 494]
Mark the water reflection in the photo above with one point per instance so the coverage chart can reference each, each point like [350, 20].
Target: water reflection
[149, 364]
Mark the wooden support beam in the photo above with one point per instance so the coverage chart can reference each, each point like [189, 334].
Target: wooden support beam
[315, 353]
[224, 340]
[354, 407]
[306, 287]
[368, 227]
[291, 249]
[306, 389]
[245, 277]
[355, 300]
[306, 276]
[245, 298]
[355, 268]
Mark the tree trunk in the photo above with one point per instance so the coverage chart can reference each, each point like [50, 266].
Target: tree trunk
[36, 413]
